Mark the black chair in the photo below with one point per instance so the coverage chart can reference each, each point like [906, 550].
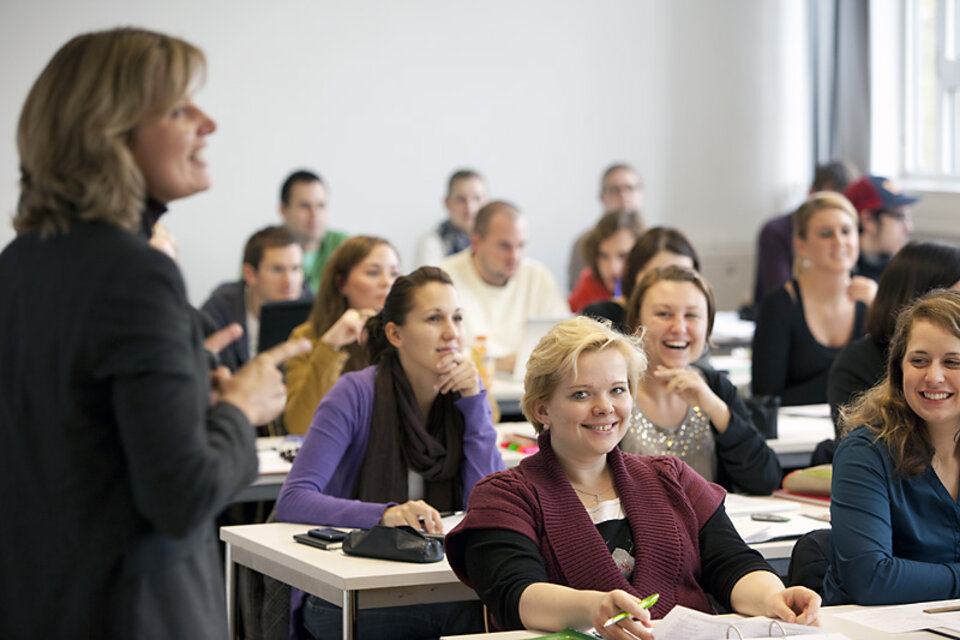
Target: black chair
[809, 560]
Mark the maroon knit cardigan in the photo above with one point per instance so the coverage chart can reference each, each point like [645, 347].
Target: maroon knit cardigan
[666, 502]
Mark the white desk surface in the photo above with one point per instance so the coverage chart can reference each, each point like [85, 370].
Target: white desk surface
[828, 621]
[307, 566]
[271, 549]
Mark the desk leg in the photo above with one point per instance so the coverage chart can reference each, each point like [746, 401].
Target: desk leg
[228, 581]
[349, 615]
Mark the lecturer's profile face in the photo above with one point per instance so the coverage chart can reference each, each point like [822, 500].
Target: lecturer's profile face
[169, 150]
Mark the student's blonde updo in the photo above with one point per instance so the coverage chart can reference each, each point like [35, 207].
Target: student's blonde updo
[78, 119]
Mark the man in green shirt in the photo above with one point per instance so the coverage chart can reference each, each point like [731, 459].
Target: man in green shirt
[303, 204]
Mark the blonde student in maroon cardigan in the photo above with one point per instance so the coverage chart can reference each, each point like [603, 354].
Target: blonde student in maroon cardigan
[580, 531]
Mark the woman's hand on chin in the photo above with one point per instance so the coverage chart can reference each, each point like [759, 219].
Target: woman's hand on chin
[457, 373]
[686, 383]
[862, 289]
[348, 328]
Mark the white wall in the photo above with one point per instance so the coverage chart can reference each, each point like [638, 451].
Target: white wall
[386, 98]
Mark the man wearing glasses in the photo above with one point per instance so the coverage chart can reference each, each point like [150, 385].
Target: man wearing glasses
[885, 223]
[621, 189]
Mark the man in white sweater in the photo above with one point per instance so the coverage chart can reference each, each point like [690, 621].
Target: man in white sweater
[499, 288]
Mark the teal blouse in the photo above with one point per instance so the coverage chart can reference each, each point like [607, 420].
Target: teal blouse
[895, 539]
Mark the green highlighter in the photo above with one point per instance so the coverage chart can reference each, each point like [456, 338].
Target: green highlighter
[646, 603]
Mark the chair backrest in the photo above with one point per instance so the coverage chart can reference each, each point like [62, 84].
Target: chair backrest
[810, 559]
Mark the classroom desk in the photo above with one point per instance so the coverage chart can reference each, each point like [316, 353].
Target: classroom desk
[828, 621]
[356, 583]
[349, 582]
[273, 471]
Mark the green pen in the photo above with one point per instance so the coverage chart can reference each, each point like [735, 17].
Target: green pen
[646, 603]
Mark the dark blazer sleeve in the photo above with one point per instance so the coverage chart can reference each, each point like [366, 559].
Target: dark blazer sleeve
[742, 451]
[185, 460]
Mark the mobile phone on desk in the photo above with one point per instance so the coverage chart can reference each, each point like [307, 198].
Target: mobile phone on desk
[328, 534]
[303, 538]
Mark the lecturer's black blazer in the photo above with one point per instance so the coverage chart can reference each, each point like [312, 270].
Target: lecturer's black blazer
[112, 466]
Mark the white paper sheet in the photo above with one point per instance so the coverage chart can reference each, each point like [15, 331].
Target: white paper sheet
[737, 505]
[682, 623]
[904, 617]
[798, 525]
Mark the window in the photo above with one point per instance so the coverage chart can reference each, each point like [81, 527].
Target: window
[932, 108]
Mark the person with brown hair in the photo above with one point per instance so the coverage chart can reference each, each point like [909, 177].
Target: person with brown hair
[107, 405]
[466, 194]
[354, 286]
[396, 443]
[579, 531]
[684, 410]
[606, 251]
[621, 189]
[657, 247]
[303, 205]
[802, 325]
[896, 474]
[272, 272]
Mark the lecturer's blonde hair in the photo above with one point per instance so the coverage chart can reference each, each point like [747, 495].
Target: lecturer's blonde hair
[76, 125]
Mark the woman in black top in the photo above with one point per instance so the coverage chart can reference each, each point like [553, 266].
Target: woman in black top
[802, 325]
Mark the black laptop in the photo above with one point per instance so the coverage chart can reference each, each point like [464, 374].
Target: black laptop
[278, 319]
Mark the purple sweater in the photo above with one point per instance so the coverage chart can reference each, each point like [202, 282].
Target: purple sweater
[318, 488]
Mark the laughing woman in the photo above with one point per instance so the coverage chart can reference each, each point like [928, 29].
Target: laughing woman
[684, 410]
[894, 511]
[396, 443]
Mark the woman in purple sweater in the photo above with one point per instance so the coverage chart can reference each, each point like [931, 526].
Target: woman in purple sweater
[580, 531]
[395, 444]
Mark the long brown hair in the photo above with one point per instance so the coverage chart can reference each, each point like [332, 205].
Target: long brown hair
[330, 303]
[609, 224]
[76, 123]
[884, 408]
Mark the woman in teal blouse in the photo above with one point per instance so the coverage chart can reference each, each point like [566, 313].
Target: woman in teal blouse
[895, 517]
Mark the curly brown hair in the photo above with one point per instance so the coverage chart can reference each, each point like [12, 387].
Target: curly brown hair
[884, 408]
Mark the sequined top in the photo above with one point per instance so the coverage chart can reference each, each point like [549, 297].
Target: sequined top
[692, 440]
